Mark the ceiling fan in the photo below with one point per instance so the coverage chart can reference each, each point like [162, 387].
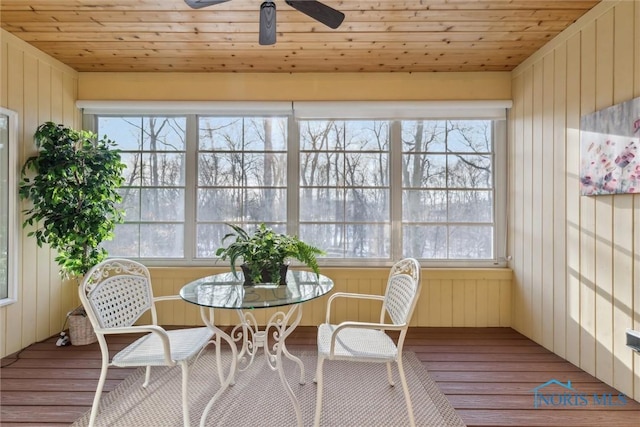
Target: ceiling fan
[319, 11]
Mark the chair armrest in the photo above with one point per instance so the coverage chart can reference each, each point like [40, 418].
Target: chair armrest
[349, 295]
[360, 325]
[167, 298]
[154, 313]
[154, 329]
[368, 325]
[136, 329]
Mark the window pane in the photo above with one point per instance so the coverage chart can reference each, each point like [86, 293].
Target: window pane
[470, 242]
[363, 135]
[265, 205]
[367, 241]
[220, 133]
[163, 133]
[242, 175]
[322, 204]
[6, 205]
[162, 204]
[428, 242]
[469, 136]
[366, 169]
[131, 174]
[426, 171]
[126, 241]
[130, 203]
[161, 240]
[329, 237]
[364, 205]
[154, 151]
[266, 134]
[159, 169]
[424, 136]
[424, 206]
[210, 239]
[242, 134]
[344, 179]
[218, 204]
[321, 169]
[470, 171]
[470, 206]
[220, 169]
[447, 178]
[238, 168]
[265, 169]
[321, 135]
[126, 131]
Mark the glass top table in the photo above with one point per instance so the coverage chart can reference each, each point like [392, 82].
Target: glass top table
[227, 291]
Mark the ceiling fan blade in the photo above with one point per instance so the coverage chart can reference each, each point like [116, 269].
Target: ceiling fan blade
[320, 12]
[199, 4]
[267, 23]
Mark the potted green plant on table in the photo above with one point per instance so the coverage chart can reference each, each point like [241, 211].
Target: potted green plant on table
[72, 184]
[264, 253]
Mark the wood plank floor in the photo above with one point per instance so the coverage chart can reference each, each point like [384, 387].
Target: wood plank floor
[488, 374]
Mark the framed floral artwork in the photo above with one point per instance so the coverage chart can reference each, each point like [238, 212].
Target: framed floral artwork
[610, 150]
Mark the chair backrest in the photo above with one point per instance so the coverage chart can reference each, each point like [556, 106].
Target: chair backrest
[403, 290]
[116, 292]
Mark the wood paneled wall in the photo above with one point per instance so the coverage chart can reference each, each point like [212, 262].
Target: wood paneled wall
[40, 89]
[449, 297]
[295, 86]
[576, 259]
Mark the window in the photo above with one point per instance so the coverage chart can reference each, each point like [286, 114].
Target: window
[154, 150]
[447, 189]
[345, 187]
[242, 176]
[366, 190]
[8, 207]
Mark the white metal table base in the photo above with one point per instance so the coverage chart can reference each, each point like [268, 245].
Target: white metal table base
[251, 339]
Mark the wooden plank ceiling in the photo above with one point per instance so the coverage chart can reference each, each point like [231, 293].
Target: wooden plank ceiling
[376, 36]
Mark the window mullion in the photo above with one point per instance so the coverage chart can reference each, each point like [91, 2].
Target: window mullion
[191, 187]
[395, 188]
[293, 176]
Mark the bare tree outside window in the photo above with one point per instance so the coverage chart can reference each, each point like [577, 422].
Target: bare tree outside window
[153, 148]
[344, 187]
[448, 189]
[183, 185]
[242, 176]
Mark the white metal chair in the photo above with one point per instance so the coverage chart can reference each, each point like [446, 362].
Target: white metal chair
[369, 342]
[115, 294]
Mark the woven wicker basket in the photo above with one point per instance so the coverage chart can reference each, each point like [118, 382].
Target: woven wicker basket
[80, 329]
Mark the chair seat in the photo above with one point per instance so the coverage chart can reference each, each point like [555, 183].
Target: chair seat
[148, 349]
[356, 343]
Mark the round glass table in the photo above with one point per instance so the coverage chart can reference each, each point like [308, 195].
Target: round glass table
[227, 291]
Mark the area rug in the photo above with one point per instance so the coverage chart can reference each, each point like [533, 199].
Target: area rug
[355, 394]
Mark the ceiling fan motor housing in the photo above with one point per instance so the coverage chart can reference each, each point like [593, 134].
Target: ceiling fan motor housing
[267, 23]
[267, 35]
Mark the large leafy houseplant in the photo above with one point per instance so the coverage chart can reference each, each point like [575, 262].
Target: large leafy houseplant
[264, 252]
[72, 183]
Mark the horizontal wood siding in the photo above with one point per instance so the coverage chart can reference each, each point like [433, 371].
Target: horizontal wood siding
[576, 259]
[449, 297]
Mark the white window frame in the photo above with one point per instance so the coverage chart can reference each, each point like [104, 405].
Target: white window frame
[12, 207]
[339, 110]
